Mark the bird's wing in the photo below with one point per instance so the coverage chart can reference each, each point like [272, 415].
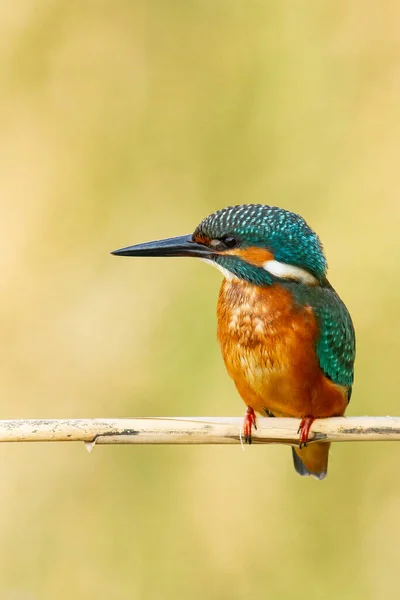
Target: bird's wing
[336, 345]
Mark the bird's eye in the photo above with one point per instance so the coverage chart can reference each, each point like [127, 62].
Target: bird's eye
[229, 241]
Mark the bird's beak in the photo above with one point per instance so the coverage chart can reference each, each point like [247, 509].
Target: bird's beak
[177, 246]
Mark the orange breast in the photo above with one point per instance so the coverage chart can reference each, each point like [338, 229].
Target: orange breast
[268, 345]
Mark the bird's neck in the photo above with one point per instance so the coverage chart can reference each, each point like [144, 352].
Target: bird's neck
[238, 298]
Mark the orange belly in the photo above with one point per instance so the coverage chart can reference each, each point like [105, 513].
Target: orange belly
[268, 345]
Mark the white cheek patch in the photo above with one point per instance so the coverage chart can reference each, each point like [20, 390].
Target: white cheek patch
[285, 271]
[227, 274]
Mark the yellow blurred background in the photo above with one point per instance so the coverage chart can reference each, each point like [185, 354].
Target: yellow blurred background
[127, 121]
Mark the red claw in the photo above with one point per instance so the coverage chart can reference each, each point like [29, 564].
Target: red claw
[304, 430]
[248, 423]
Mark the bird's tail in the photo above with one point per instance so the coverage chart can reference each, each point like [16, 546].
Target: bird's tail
[311, 459]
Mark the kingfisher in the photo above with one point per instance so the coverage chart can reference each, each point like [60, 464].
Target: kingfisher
[286, 337]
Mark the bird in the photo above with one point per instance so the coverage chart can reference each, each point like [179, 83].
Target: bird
[287, 338]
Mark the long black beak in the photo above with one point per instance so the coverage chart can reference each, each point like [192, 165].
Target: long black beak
[176, 246]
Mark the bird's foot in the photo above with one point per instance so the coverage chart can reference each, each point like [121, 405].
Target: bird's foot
[304, 430]
[248, 423]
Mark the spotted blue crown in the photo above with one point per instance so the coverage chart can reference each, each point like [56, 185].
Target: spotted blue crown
[284, 233]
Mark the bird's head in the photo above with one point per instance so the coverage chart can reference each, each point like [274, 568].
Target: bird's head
[254, 242]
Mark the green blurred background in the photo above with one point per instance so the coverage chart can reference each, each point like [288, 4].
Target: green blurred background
[126, 121]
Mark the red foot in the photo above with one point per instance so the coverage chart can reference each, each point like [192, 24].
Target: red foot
[248, 423]
[304, 430]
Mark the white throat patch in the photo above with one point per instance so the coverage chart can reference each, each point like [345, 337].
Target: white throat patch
[227, 274]
[285, 271]
[276, 268]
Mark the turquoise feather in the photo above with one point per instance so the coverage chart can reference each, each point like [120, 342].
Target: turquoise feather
[336, 346]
